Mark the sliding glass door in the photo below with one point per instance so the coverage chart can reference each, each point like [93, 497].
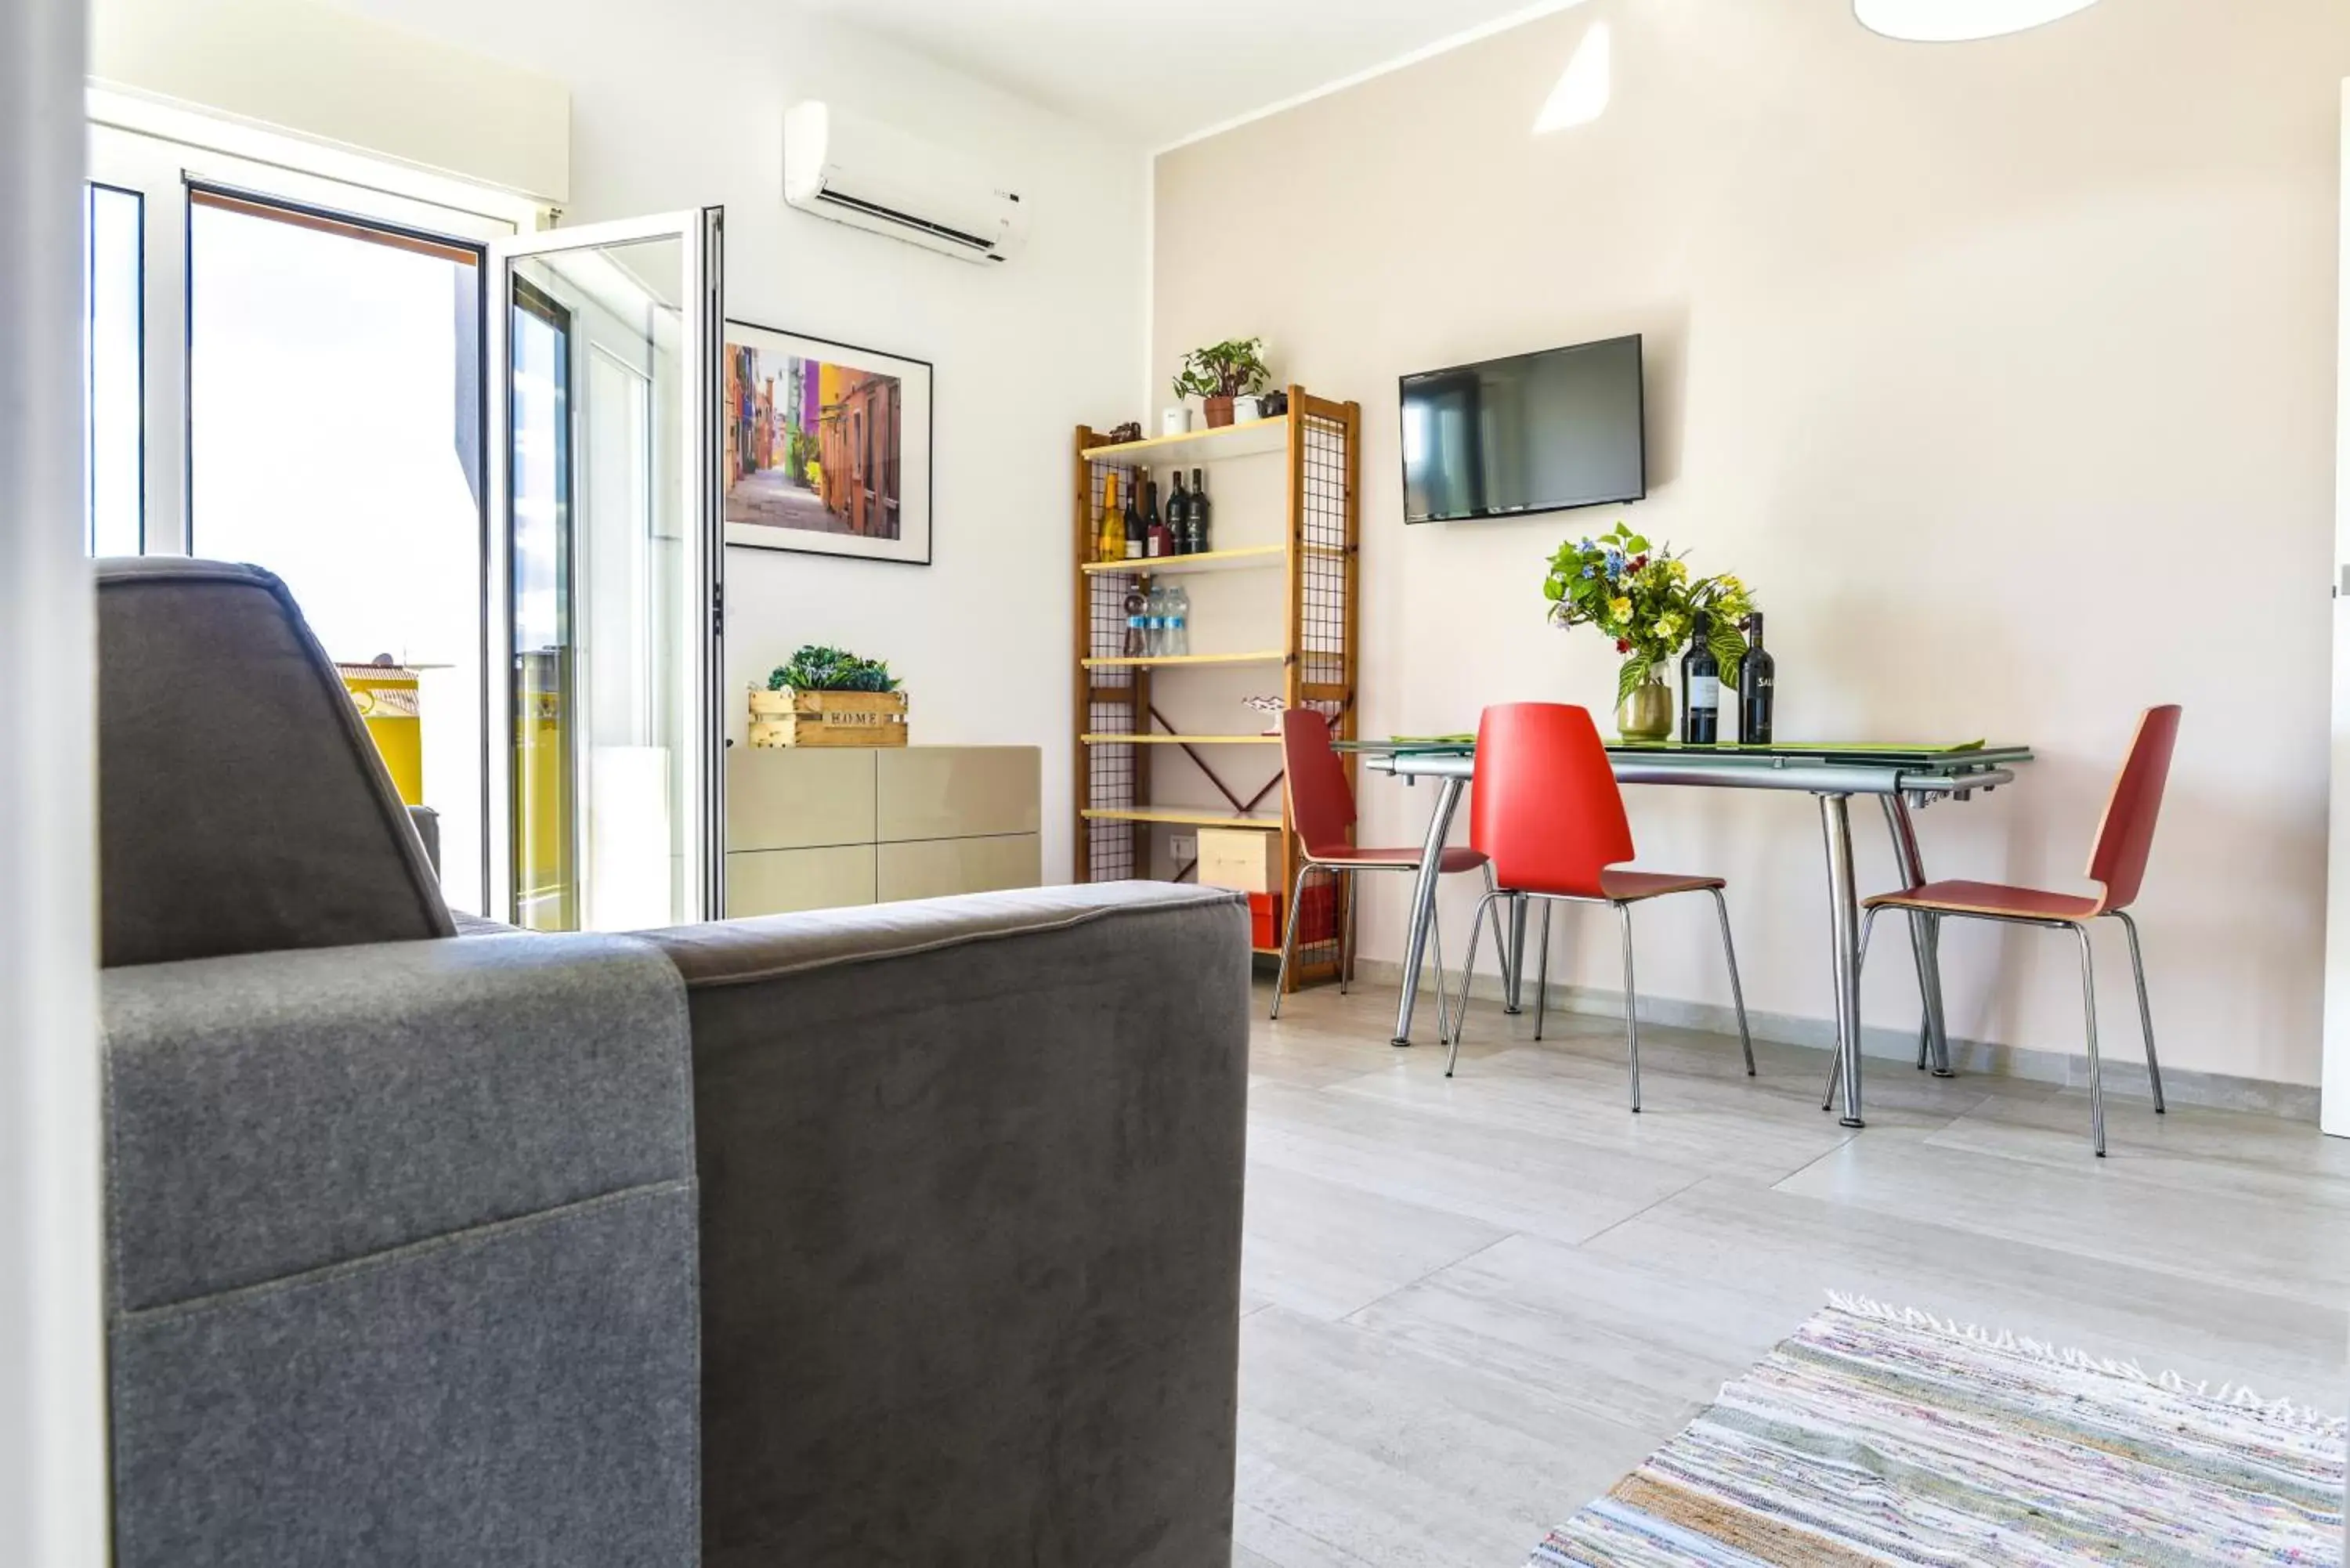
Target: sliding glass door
[606, 577]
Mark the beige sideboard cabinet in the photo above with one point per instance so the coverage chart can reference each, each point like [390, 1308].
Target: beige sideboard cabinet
[817, 828]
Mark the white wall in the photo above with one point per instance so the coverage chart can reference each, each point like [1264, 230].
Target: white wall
[53, 1486]
[2004, 372]
[682, 106]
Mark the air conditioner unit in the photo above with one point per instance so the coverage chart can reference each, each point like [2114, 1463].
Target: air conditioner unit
[871, 177]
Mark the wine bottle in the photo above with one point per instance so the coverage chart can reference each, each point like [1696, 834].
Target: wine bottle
[1133, 529]
[1113, 526]
[1154, 526]
[1700, 690]
[1195, 523]
[1757, 677]
[1179, 516]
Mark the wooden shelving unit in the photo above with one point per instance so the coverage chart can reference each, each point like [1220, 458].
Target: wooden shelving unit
[1318, 444]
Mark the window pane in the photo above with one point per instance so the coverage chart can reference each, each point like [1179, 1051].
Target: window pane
[113, 381]
[334, 437]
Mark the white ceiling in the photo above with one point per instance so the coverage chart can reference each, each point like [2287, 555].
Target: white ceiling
[1157, 71]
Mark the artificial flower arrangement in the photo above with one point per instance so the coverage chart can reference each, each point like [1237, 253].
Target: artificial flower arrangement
[1645, 598]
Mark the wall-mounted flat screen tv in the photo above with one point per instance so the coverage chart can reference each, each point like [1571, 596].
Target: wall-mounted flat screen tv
[1537, 432]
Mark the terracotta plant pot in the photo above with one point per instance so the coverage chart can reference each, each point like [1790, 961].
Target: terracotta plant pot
[1220, 412]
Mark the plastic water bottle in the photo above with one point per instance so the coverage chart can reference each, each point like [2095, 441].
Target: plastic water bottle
[1154, 624]
[1179, 617]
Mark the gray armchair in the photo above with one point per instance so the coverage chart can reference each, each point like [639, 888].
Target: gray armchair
[898, 1235]
[400, 1230]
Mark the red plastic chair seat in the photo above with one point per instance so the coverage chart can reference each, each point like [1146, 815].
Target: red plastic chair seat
[1992, 898]
[1455, 859]
[1632, 886]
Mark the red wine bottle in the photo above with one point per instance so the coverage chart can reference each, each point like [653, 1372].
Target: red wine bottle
[1179, 516]
[1154, 526]
[1758, 678]
[1700, 690]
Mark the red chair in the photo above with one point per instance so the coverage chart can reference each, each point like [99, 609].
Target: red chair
[2117, 865]
[1545, 807]
[1322, 812]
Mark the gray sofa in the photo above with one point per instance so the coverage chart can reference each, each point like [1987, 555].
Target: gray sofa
[905, 1234]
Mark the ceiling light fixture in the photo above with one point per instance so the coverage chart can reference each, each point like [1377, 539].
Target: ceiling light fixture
[1958, 21]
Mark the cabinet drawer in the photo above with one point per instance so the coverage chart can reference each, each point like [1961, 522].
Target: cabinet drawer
[959, 792]
[935, 868]
[787, 799]
[786, 881]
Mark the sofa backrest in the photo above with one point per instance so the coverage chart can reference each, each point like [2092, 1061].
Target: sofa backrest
[241, 807]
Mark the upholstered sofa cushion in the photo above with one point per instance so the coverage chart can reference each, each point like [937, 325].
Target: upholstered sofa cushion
[242, 808]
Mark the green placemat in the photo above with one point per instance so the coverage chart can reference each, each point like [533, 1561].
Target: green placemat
[1813, 748]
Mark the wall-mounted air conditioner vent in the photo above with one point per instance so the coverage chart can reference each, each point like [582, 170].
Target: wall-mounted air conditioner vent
[871, 177]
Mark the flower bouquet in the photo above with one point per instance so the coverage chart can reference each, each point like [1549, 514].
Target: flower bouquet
[1644, 597]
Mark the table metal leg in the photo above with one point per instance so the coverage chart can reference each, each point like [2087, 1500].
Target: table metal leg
[1517, 975]
[1423, 900]
[1923, 934]
[1843, 943]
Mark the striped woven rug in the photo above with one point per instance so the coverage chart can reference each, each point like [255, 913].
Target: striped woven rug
[1881, 1436]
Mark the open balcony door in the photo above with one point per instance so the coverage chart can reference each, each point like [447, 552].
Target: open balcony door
[605, 575]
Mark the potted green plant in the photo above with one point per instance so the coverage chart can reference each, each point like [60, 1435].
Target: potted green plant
[828, 697]
[1645, 598]
[1221, 372]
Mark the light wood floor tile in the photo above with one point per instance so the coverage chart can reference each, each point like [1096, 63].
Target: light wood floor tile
[1472, 1304]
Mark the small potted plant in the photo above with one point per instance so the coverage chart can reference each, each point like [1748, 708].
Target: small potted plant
[827, 697]
[1223, 372]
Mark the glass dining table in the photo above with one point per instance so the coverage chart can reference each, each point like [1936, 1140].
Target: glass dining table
[1904, 779]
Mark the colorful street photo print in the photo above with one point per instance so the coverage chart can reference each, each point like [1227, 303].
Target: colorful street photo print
[827, 447]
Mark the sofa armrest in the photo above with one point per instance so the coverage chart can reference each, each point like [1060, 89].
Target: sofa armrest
[971, 1178]
[402, 1255]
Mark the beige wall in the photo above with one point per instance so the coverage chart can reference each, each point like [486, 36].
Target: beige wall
[327, 75]
[2004, 372]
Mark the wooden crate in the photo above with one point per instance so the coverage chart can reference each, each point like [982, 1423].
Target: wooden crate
[827, 718]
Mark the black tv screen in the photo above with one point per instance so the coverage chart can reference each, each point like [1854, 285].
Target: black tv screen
[1538, 432]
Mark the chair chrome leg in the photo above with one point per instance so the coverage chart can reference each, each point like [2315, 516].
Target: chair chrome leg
[1836, 1070]
[1468, 970]
[1631, 1006]
[1737, 991]
[1501, 943]
[1348, 883]
[2089, 1017]
[1289, 940]
[2145, 1012]
[1542, 973]
[1517, 968]
[1436, 953]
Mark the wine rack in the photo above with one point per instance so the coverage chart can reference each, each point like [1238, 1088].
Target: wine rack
[1120, 732]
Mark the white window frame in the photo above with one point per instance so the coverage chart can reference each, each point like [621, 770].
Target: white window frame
[160, 151]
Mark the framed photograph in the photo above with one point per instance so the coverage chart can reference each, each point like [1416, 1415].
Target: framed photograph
[827, 447]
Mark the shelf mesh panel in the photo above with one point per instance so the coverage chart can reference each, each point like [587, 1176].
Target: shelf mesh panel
[1113, 849]
[1323, 587]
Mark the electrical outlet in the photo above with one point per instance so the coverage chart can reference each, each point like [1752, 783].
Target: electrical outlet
[1183, 847]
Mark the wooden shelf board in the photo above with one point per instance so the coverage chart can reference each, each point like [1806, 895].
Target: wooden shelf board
[1206, 561]
[1254, 439]
[1177, 816]
[1180, 739]
[1180, 660]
